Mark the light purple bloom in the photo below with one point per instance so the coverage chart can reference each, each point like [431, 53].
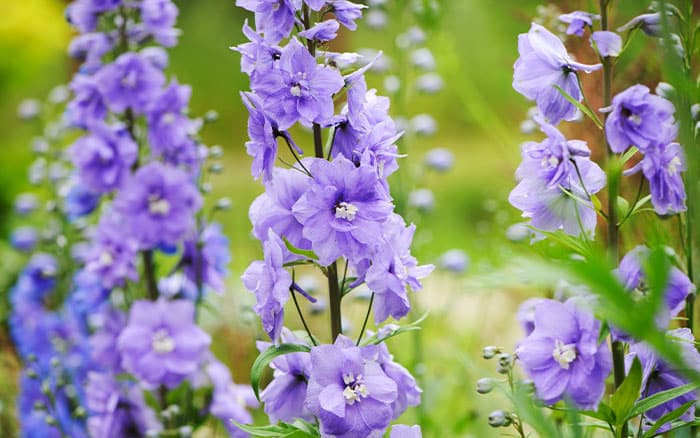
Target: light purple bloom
[649, 23]
[88, 107]
[662, 166]
[129, 82]
[263, 134]
[577, 21]
[351, 395]
[270, 282]
[299, 89]
[639, 118]
[104, 157]
[454, 260]
[159, 202]
[24, 238]
[563, 357]
[229, 400]
[323, 31]
[343, 210]
[168, 126]
[155, 55]
[113, 252]
[256, 55]
[393, 270]
[273, 18]
[408, 392]
[404, 431]
[90, 48]
[609, 44]
[526, 314]
[346, 12]
[439, 159]
[161, 344]
[107, 324]
[207, 257]
[159, 17]
[26, 203]
[543, 63]
[657, 375]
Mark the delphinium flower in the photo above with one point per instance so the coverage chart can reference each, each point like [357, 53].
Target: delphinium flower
[274, 18]
[608, 44]
[113, 255]
[578, 21]
[168, 126]
[563, 355]
[263, 133]
[229, 400]
[544, 63]
[662, 165]
[130, 82]
[658, 375]
[161, 344]
[404, 431]
[206, 257]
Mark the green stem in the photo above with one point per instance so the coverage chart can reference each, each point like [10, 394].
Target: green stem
[335, 299]
[149, 273]
[364, 324]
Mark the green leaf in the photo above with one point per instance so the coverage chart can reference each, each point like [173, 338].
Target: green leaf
[628, 155]
[267, 356]
[298, 429]
[623, 399]
[674, 414]
[584, 109]
[662, 397]
[623, 207]
[298, 251]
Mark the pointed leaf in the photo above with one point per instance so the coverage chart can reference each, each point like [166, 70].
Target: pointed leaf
[623, 399]
[662, 397]
[674, 414]
[267, 356]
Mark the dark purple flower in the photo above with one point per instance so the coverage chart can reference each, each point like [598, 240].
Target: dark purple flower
[299, 89]
[351, 395]
[129, 82]
[563, 357]
[323, 31]
[80, 201]
[273, 18]
[88, 107]
[24, 238]
[543, 63]
[346, 12]
[229, 400]
[284, 395]
[159, 203]
[206, 257]
[263, 134]
[168, 126]
[113, 252]
[577, 21]
[393, 270]
[104, 158]
[662, 166]
[639, 118]
[270, 282]
[161, 343]
[273, 209]
[159, 17]
[608, 44]
[657, 375]
[117, 408]
[343, 210]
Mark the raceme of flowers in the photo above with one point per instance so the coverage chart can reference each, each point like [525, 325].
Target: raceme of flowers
[105, 311]
[331, 208]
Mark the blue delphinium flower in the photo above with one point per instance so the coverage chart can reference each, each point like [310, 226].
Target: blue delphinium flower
[274, 18]
[90, 48]
[658, 375]
[578, 21]
[168, 126]
[112, 255]
[563, 356]
[207, 257]
[159, 17]
[543, 63]
[662, 166]
[130, 82]
[88, 107]
[323, 31]
[263, 133]
[346, 12]
[608, 44]
[351, 395]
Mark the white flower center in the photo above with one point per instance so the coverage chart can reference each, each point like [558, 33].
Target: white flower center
[168, 118]
[161, 342]
[295, 90]
[550, 161]
[355, 388]
[345, 210]
[564, 353]
[635, 118]
[105, 258]
[673, 165]
[157, 205]
[129, 81]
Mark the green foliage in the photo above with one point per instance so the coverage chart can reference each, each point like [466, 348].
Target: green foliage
[622, 400]
[263, 361]
[298, 429]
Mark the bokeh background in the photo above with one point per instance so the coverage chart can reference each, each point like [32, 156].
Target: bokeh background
[478, 118]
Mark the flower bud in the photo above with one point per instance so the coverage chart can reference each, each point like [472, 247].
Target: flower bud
[485, 385]
[216, 151]
[490, 352]
[505, 363]
[211, 116]
[499, 418]
[223, 204]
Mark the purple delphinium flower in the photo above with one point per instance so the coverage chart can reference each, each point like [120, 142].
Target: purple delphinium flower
[657, 376]
[24, 238]
[104, 157]
[270, 282]
[439, 159]
[80, 201]
[263, 134]
[350, 395]
[284, 395]
[206, 258]
[408, 392]
[343, 210]
[299, 89]
[346, 12]
[161, 343]
[273, 209]
[168, 126]
[577, 21]
[404, 431]
[639, 118]
[543, 63]
[107, 324]
[90, 48]
[609, 44]
[649, 23]
[273, 18]
[393, 270]
[129, 82]
[323, 31]
[113, 253]
[256, 55]
[563, 357]
[88, 107]
[159, 17]
[159, 203]
[26, 204]
[229, 400]
[526, 314]
[662, 166]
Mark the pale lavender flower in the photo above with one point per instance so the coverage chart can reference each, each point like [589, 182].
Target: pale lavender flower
[90, 48]
[439, 159]
[129, 82]
[662, 166]
[270, 282]
[88, 107]
[161, 343]
[159, 203]
[155, 55]
[159, 17]
[346, 12]
[323, 31]
[256, 55]
[107, 324]
[343, 209]
[263, 133]
[113, 253]
[578, 21]
[229, 400]
[609, 44]
[454, 260]
[273, 18]
[206, 258]
[408, 392]
[544, 63]
[526, 314]
[26, 203]
[639, 118]
[404, 431]
[24, 238]
[168, 126]
[350, 395]
[563, 356]
[649, 23]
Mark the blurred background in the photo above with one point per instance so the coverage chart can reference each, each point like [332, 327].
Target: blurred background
[464, 220]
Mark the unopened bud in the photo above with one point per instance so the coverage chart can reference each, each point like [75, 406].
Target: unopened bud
[223, 204]
[485, 385]
[490, 352]
[498, 418]
[216, 151]
[505, 362]
[211, 116]
[216, 168]
[79, 412]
